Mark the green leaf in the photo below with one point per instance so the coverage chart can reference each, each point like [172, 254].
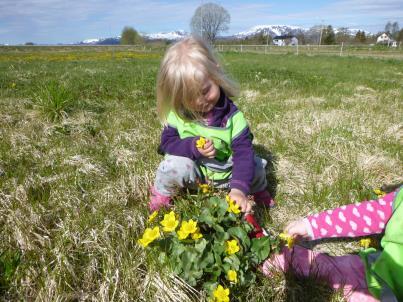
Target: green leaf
[226, 267]
[201, 245]
[239, 233]
[189, 259]
[165, 244]
[216, 271]
[217, 257]
[177, 249]
[219, 248]
[207, 260]
[247, 227]
[231, 217]
[218, 228]
[248, 278]
[261, 248]
[210, 286]
[222, 208]
[233, 261]
[206, 217]
[221, 237]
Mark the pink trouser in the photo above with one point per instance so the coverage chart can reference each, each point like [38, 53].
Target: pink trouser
[346, 272]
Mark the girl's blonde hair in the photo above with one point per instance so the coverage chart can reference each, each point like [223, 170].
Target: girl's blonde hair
[184, 68]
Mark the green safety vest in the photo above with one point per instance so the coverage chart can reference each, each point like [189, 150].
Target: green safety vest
[387, 270]
[222, 137]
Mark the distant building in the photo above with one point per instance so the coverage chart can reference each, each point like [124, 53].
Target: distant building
[285, 40]
[386, 40]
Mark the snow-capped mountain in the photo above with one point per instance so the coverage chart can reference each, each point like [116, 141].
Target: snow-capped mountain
[101, 41]
[272, 30]
[280, 30]
[173, 35]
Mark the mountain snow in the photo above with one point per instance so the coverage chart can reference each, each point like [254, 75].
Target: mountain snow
[173, 35]
[91, 41]
[272, 30]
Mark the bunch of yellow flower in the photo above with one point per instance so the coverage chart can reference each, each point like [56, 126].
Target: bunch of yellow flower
[189, 228]
[205, 188]
[232, 206]
[169, 222]
[367, 242]
[200, 142]
[379, 193]
[232, 276]
[231, 246]
[149, 236]
[221, 294]
[287, 238]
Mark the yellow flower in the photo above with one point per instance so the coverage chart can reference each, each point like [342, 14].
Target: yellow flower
[197, 235]
[152, 216]
[232, 276]
[13, 85]
[379, 192]
[169, 222]
[231, 246]
[182, 234]
[187, 227]
[366, 242]
[288, 238]
[205, 188]
[232, 206]
[221, 294]
[149, 236]
[200, 142]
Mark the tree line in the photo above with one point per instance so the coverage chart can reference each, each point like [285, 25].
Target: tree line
[210, 19]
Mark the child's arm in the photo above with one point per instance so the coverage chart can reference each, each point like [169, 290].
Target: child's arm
[172, 144]
[243, 169]
[354, 220]
[243, 157]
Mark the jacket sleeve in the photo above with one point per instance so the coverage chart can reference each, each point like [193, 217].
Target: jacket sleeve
[243, 156]
[172, 144]
[353, 220]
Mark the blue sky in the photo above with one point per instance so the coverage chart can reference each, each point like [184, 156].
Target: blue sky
[54, 21]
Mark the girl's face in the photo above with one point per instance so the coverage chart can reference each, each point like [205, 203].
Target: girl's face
[208, 99]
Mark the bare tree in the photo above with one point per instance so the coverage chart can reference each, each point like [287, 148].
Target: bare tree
[395, 30]
[312, 36]
[388, 27]
[209, 20]
[342, 35]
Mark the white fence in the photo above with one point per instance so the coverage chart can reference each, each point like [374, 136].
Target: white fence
[340, 50]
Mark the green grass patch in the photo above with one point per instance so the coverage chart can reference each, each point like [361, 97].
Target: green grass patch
[78, 140]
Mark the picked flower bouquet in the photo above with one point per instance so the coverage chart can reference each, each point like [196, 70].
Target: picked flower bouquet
[210, 247]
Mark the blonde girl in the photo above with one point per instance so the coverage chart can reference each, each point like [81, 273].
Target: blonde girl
[205, 138]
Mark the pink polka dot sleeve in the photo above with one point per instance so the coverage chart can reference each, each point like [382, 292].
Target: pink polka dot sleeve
[360, 219]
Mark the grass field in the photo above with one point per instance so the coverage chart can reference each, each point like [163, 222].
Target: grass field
[78, 140]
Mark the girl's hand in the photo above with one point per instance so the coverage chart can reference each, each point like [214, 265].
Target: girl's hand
[208, 149]
[297, 229]
[241, 200]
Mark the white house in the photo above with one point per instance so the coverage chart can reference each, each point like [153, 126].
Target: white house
[285, 40]
[385, 39]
